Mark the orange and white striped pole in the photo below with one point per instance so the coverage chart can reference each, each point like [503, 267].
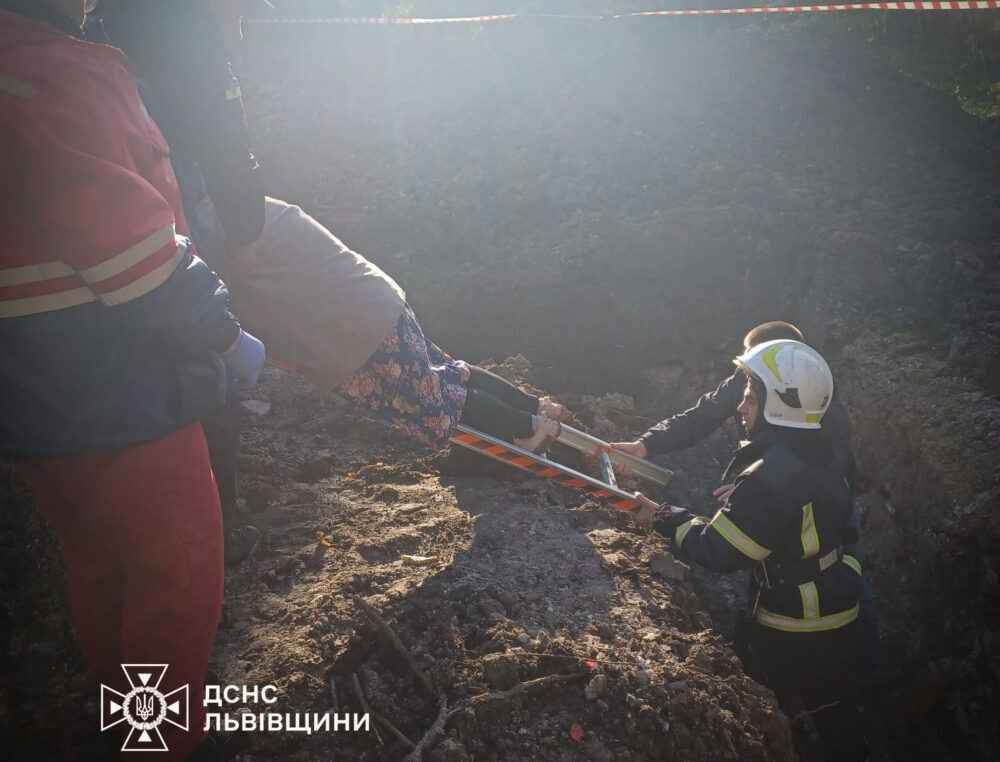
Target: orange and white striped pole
[539, 465]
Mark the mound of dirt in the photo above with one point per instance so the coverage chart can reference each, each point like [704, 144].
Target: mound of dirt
[544, 610]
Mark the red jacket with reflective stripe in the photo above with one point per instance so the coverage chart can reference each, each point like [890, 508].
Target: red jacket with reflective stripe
[98, 201]
[111, 327]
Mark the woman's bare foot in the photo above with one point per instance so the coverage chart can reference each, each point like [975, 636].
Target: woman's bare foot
[551, 409]
[545, 429]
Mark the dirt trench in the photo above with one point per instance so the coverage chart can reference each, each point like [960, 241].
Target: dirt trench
[618, 203]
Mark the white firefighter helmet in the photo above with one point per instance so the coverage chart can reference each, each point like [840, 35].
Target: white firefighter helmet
[798, 381]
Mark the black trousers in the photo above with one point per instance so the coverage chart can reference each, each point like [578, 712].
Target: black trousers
[222, 428]
[821, 669]
[497, 407]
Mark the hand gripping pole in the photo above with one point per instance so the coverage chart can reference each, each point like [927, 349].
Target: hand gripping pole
[590, 445]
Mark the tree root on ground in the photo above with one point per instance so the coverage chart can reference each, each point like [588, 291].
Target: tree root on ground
[444, 712]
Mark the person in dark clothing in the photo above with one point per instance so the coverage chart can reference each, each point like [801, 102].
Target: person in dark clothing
[195, 99]
[223, 164]
[713, 409]
[785, 515]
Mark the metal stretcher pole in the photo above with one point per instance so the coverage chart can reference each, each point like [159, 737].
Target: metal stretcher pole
[591, 445]
[505, 452]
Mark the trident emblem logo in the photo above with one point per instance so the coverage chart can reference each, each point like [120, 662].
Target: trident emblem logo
[144, 707]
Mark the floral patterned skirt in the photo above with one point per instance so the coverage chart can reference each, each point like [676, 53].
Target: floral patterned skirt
[411, 384]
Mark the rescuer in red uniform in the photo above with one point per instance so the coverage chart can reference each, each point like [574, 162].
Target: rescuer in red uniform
[116, 339]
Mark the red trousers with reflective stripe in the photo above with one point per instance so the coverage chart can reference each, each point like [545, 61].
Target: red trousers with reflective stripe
[141, 534]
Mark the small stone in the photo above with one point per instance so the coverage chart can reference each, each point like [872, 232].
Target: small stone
[597, 751]
[992, 578]
[257, 407]
[601, 629]
[492, 609]
[461, 591]
[450, 750]
[597, 687]
[683, 736]
[510, 603]
[648, 714]
[666, 566]
[500, 671]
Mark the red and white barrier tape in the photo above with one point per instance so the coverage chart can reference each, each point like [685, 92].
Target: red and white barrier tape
[958, 5]
[386, 19]
[965, 5]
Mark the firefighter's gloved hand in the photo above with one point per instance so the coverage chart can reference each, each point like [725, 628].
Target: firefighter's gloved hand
[667, 518]
[245, 359]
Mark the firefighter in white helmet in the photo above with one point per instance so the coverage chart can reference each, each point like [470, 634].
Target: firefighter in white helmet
[785, 515]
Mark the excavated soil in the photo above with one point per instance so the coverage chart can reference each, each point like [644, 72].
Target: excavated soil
[617, 202]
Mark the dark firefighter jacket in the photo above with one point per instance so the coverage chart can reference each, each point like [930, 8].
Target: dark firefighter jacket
[786, 514]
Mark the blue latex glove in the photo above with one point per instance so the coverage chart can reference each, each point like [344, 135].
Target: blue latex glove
[246, 359]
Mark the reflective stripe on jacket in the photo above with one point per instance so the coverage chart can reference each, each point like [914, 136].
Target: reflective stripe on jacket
[784, 509]
[111, 327]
